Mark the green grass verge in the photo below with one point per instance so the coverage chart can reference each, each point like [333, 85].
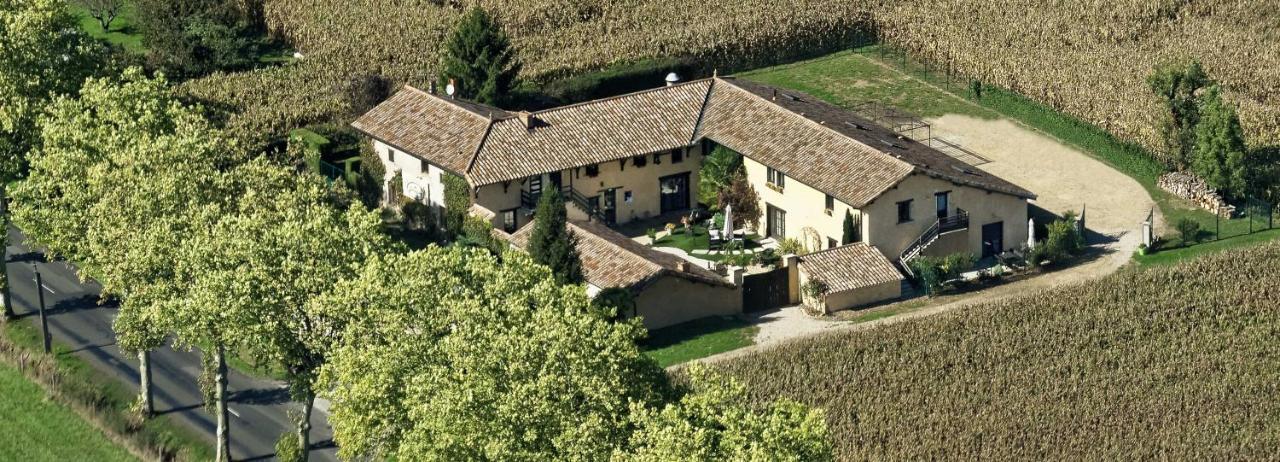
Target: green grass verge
[876, 73]
[698, 339]
[80, 384]
[33, 428]
[122, 31]
[1171, 256]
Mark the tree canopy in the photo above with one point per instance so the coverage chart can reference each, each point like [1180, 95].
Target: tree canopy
[42, 54]
[1220, 153]
[193, 38]
[479, 58]
[1177, 86]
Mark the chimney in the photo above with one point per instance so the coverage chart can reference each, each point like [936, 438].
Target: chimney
[431, 88]
[672, 79]
[527, 119]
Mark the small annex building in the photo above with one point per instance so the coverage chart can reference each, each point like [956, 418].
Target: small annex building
[668, 290]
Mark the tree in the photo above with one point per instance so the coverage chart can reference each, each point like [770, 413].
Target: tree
[282, 244]
[1220, 154]
[746, 203]
[42, 55]
[551, 242]
[851, 233]
[464, 356]
[718, 169]
[457, 204]
[105, 11]
[479, 58]
[117, 170]
[1177, 85]
[713, 421]
[193, 38]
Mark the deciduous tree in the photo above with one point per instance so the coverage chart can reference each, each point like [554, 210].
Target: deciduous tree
[453, 354]
[742, 196]
[1177, 87]
[105, 11]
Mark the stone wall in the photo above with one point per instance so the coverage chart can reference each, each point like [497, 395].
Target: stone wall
[1191, 187]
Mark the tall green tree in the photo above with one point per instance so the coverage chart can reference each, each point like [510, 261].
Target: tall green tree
[1177, 86]
[850, 229]
[479, 58]
[43, 54]
[1220, 153]
[118, 169]
[551, 242]
[292, 245]
[744, 199]
[464, 356]
[713, 421]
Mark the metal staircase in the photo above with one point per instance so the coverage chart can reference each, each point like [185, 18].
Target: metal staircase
[957, 222]
[529, 201]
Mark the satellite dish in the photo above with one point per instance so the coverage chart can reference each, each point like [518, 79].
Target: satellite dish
[450, 89]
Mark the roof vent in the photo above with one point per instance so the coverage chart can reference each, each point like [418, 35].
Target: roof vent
[672, 79]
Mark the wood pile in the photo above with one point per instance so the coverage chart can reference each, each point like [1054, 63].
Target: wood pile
[1193, 188]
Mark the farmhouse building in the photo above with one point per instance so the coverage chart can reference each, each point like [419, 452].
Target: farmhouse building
[638, 156]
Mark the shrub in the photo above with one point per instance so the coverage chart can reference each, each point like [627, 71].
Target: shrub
[417, 216]
[767, 258]
[928, 273]
[653, 235]
[958, 263]
[288, 449]
[792, 246]
[1064, 240]
[1189, 230]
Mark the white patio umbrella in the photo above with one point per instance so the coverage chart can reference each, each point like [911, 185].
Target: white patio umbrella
[1031, 233]
[728, 222]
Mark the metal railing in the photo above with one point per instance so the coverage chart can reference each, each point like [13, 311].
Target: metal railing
[956, 222]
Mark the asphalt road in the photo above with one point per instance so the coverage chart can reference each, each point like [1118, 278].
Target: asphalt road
[259, 408]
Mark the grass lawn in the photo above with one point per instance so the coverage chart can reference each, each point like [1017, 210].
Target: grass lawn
[875, 74]
[1171, 256]
[33, 428]
[699, 242]
[85, 384]
[698, 339]
[122, 30]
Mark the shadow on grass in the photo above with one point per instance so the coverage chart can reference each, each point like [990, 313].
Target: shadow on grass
[698, 339]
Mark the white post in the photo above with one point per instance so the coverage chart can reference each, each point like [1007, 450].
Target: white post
[1031, 233]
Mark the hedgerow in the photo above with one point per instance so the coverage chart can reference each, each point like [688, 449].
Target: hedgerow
[1174, 363]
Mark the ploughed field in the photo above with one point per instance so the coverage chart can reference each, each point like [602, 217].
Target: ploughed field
[1177, 362]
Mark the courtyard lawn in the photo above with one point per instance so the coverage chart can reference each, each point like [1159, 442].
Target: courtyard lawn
[698, 339]
[876, 74]
[33, 428]
[122, 31]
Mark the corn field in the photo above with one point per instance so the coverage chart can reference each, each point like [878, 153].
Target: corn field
[1175, 363]
[1088, 58]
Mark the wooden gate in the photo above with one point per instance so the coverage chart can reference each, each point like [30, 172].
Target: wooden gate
[766, 291]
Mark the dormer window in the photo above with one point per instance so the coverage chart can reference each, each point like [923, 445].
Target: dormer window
[776, 178]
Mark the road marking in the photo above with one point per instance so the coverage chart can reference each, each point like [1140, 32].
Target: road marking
[233, 412]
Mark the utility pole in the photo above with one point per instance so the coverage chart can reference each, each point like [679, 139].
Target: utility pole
[44, 320]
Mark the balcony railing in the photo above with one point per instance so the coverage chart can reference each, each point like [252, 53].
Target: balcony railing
[955, 222]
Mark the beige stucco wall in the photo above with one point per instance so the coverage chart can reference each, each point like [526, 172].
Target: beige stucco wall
[864, 296]
[884, 231]
[412, 174]
[804, 206]
[672, 300]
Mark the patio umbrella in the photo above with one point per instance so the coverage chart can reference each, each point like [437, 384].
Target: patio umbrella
[728, 222]
[1031, 233]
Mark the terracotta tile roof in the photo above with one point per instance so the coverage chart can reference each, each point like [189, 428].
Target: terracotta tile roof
[445, 132]
[592, 132]
[816, 143]
[837, 144]
[610, 259]
[800, 148]
[849, 267]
